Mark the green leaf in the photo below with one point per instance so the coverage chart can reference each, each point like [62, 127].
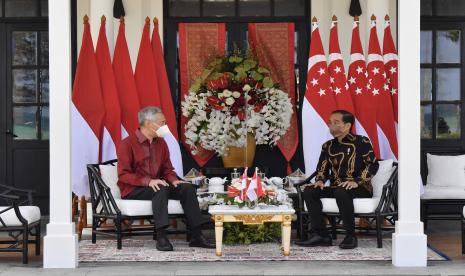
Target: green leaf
[263, 70]
[256, 76]
[268, 82]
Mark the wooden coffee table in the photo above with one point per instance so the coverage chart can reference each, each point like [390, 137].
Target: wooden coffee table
[232, 213]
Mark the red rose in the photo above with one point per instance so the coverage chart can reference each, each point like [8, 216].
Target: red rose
[215, 102]
[258, 107]
[241, 115]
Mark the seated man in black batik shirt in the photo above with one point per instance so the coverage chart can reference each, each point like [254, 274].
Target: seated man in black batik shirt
[349, 163]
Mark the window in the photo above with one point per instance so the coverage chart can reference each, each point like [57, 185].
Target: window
[23, 8]
[30, 84]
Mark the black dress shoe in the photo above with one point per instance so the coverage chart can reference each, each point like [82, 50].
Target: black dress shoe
[201, 242]
[316, 240]
[163, 244]
[349, 242]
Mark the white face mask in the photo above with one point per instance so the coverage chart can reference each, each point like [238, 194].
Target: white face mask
[163, 131]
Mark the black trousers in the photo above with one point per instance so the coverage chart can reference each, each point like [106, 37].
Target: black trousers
[186, 193]
[345, 203]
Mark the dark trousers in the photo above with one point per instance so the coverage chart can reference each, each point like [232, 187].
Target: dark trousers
[345, 203]
[186, 193]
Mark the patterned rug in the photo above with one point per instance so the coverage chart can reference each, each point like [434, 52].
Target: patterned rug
[139, 250]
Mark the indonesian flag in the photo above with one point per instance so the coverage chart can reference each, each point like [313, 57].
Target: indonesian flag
[377, 86]
[244, 183]
[87, 114]
[145, 75]
[364, 102]
[112, 125]
[125, 83]
[318, 103]
[166, 100]
[391, 66]
[252, 187]
[337, 76]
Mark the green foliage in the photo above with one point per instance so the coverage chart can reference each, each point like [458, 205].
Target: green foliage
[247, 234]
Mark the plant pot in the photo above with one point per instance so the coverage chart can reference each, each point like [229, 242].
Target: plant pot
[241, 157]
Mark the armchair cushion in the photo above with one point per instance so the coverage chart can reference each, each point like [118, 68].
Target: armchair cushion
[30, 213]
[446, 171]
[109, 175]
[381, 177]
[438, 192]
[130, 207]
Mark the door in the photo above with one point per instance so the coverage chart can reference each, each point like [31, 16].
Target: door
[25, 115]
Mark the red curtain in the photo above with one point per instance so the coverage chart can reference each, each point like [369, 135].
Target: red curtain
[198, 44]
[273, 44]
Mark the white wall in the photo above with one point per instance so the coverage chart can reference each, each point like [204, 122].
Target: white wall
[136, 12]
[324, 10]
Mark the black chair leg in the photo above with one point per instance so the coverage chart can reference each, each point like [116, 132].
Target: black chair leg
[37, 239]
[94, 228]
[25, 244]
[332, 221]
[118, 234]
[463, 236]
[379, 233]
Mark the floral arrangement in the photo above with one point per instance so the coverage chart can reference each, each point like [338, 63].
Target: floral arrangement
[234, 97]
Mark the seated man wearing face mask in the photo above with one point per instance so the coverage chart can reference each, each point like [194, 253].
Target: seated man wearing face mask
[145, 172]
[349, 163]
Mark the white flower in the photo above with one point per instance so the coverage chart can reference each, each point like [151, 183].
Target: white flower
[236, 94]
[230, 101]
[246, 88]
[220, 95]
[227, 93]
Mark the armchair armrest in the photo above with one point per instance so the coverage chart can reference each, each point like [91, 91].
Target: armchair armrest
[9, 197]
[27, 193]
[307, 180]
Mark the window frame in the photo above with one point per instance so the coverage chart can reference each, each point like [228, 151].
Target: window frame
[434, 24]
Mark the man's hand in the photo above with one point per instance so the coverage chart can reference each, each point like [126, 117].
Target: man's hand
[156, 184]
[348, 185]
[177, 182]
[318, 184]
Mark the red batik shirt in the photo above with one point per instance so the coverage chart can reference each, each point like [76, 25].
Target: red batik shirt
[140, 161]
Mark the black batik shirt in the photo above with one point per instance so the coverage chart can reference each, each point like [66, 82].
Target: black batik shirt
[352, 159]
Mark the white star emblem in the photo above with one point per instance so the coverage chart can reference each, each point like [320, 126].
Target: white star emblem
[393, 91]
[337, 69]
[370, 81]
[386, 87]
[359, 70]
[375, 92]
[352, 80]
[347, 86]
[393, 70]
[358, 91]
[388, 80]
[337, 90]
[366, 74]
[314, 82]
[321, 92]
[321, 71]
[384, 74]
[375, 70]
[331, 79]
[368, 86]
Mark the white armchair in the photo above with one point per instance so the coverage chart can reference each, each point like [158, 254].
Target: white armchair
[107, 204]
[20, 219]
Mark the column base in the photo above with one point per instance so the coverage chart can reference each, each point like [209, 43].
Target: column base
[409, 248]
[61, 246]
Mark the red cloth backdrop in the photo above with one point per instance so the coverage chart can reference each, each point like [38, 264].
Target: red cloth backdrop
[198, 44]
[273, 44]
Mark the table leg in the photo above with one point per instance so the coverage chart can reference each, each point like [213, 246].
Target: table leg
[286, 235]
[219, 235]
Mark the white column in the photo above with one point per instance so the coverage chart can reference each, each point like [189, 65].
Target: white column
[97, 9]
[60, 243]
[409, 241]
